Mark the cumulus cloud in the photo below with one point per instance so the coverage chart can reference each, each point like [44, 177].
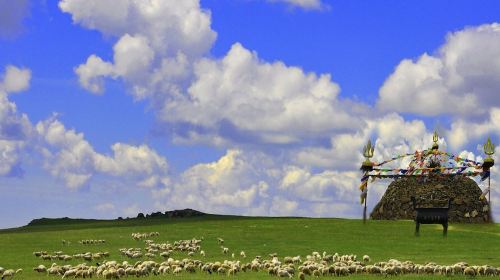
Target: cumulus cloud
[234, 182]
[15, 79]
[464, 131]
[12, 14]
[168, 25]
[269, 102]
[327, 186]
[66, 154]
[239, 99]
[156, 39]
[391, 134]
[70, 157]
[10, 157]
[304, 4]
[15, 128]
[91, 74]
[253, 183]
[461, 79]
[262, 101]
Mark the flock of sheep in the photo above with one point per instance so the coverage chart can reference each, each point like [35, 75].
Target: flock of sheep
[139, 236]
[187, 256]
[90, 241]
[59, 255]
[315, 265]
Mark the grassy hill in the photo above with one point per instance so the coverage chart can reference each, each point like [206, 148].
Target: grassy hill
[382, 240]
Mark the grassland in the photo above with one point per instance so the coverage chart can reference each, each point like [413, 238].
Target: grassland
[382, 240]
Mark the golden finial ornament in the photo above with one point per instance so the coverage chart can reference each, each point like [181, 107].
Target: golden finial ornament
[435, 139]
[368, 153]
[489, 150]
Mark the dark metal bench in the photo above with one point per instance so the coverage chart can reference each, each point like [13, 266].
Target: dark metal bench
[432, 215]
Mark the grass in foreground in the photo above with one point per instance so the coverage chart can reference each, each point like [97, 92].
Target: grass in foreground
[381, 240]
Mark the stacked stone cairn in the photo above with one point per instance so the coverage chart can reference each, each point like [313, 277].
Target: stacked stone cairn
[433, 191]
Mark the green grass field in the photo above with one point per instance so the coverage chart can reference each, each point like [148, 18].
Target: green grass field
[381, 240]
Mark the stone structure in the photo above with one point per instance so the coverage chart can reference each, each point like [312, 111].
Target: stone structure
[433, 191]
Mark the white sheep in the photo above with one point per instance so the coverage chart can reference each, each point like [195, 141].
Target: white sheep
[242, 254]
[177, 270]
[10, 273]
[40, 268]
[489, 271]
[232, 271]
[469, 271]
[69, 273]
[366, 258]
[284, 273]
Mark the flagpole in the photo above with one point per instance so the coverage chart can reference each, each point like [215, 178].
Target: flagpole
[366, 166]
[488, 162]
[366, 197]
[489, 197]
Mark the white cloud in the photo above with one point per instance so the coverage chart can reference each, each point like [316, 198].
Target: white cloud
[162, 53]
[232, 182]
[66, 154]
[304, 4]
[15, 79]
[70, 157]
[263, 102]
[327, 186]
[169, 25]
[15, 128]
[10, 157]
[253, 183]
[391, 134]
[463, 131]
[462, 79]
[269, 102]
[131, 159]
[157, 40]
[91, 74]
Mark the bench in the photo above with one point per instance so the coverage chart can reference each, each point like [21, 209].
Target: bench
[431, 215]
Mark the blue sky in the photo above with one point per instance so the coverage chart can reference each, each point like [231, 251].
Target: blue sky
[261, 108]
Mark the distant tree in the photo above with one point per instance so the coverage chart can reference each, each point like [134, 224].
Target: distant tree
[120, 218]
[156, 214]
[141, 216]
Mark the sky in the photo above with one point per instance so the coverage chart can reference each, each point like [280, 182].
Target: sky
[249, 107]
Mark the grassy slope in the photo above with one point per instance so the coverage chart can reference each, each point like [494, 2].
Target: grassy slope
[382, 240]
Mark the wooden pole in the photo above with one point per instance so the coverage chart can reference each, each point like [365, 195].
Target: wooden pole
[364, 211]
[489, 193]
[489, 197]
